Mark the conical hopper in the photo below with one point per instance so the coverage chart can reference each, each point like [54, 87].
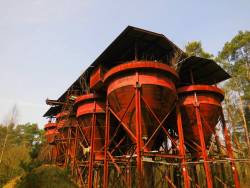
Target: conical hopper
[64, 122]
[158, 94]
[50, 132]
[209, 99]
[66, 126]
[87, 106]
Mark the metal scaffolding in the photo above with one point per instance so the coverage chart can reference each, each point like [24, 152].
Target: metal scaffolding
[144, 117]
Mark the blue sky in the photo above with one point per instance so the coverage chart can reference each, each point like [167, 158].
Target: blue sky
[46, 44]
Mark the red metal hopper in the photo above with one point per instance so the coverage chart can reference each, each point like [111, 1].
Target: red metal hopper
[158, 94]
[87, 106]
[209, 99]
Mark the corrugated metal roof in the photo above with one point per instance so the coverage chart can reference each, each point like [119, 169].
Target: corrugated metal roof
[148, 44]
[53, 111]
[205, 71]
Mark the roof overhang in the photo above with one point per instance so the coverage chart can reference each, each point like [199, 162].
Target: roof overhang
[205, 71]
[54, 110]
[123, 48]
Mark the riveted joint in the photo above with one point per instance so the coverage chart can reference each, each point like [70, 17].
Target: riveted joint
[138, 85]
[196, 104]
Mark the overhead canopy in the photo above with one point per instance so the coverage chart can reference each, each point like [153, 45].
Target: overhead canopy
[134, 42]
[205, 71]
[130, 44]
[53, 111]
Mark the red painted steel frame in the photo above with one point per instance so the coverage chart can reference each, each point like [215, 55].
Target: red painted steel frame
[210, 95]
[107, 129]
[90, 112]
[138, 125]
[108, 155]
[182, 149]
[50, 132]
[203, 145]
[142, 149]
[91, 159]
[207, 99]
[230, 151]
[139, 147]
[137, 138]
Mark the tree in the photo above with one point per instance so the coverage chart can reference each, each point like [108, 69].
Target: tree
[235, 59]
[29, 134]
[12, 158]
[21, 147]
[194, 48]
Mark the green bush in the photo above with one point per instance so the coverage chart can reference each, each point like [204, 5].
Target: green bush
[46, 177]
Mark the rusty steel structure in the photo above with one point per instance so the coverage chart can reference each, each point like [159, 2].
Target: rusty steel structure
[144, 114]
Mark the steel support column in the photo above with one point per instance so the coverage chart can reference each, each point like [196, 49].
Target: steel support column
[75, 148]
[182, 148]
[138, 134]
[91, 157]
[65, 142]
[230, 151]
[106, 163]
[128, 174]
[203, 144]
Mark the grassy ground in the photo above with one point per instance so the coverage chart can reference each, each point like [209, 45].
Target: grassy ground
[12, 183]
[46, 176]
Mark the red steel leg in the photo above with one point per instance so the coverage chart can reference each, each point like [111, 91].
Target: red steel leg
[75, 149]
[91, 159]
[138, 135]
[182, 149]
[203, 146]
[106, 168]
[128, 168]
[230, 151]
[67, 148]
